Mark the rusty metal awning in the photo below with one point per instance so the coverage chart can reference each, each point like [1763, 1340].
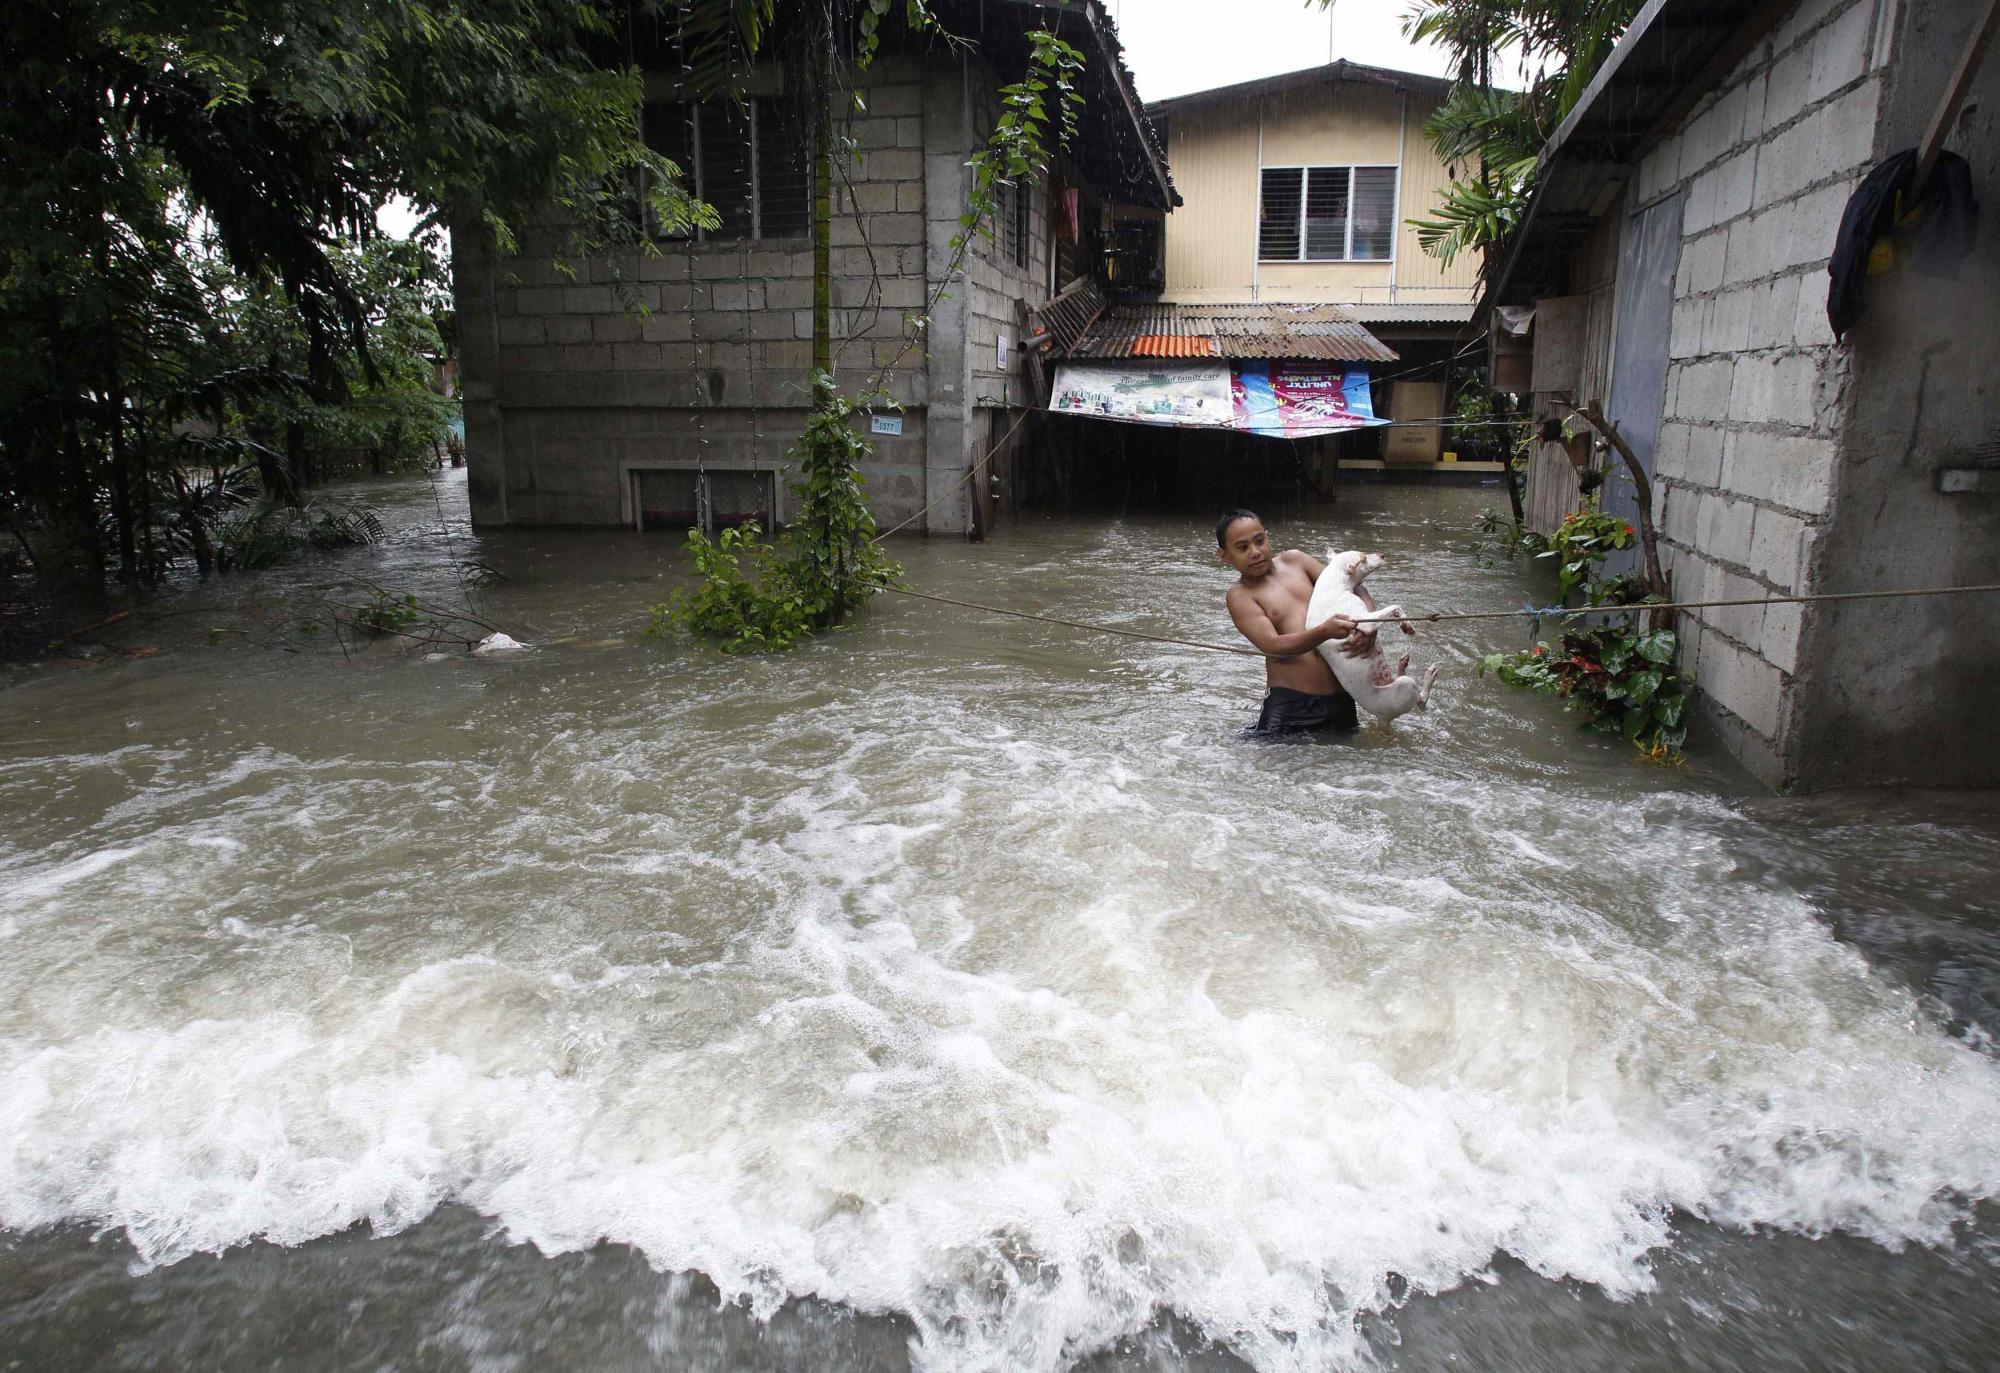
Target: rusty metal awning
[1081, 324]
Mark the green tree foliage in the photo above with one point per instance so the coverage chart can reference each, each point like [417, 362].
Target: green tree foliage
[1489, 138]
[135, 135]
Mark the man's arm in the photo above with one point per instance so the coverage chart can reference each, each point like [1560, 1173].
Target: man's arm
[1256, 626]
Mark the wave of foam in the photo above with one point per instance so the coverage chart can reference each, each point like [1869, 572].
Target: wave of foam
[983, 994]
[1032, 1164]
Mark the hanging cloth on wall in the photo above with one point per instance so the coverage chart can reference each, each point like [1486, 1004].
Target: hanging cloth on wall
[1067, 226]
[1941, 225]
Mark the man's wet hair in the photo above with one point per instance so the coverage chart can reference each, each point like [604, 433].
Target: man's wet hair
[1230, 517]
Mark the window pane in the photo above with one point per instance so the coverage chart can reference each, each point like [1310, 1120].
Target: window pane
[1326, 214]
[725, 165]
[668, 128]
[784, 176]
[1278, 222]
[739, 497]
[668, 500]
[1374, 213]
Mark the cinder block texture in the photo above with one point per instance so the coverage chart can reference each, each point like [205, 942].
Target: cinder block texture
[1759, 401]
[702, 347]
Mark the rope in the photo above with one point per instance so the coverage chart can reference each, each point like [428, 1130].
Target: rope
[1079, 624]
[1434, 617]
[970, 473]
[1556, 611]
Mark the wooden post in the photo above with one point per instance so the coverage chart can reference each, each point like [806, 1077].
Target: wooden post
[1954, 97]
[1656, 580]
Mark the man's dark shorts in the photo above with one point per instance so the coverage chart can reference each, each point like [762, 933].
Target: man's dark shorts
[1297, 712]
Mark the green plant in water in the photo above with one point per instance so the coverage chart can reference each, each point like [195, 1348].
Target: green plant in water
[1619, 675]
[1512, 537]
[385, 614]
[754, 596]
[757, 596]
[1583, 540]
[1621, 678]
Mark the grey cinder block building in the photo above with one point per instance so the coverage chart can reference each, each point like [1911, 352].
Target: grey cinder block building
[1676, 259]
[666, 389]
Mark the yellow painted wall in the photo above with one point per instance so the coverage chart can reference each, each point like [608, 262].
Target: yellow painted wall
[1212, 238]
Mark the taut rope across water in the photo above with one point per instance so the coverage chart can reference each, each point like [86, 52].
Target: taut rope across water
[1536, 613]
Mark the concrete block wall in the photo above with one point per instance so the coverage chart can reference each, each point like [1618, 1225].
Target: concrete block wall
[700, 353]
[1757, 395]
[1904, 688]
[997, 285]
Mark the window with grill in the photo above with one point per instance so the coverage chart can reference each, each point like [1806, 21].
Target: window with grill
[680, 498]
[1017, 225]
[741, 159]
[1010, 222]
[1327, 214]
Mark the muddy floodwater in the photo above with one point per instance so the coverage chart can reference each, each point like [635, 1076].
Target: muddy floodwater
[956, 993]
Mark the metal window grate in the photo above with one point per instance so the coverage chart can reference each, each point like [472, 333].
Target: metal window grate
[682, 498]
[1326, 214]
[669, 499]
[738, 498]
[1278, 223]
[744, 160]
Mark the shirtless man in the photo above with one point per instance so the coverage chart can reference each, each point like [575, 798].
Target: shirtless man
[1268, 604]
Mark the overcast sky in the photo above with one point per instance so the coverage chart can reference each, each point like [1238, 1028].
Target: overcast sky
[1177, 46]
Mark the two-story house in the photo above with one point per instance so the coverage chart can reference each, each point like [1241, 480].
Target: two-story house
[1300, 189]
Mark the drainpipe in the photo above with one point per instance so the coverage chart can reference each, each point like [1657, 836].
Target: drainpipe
[1402, 156]
[1257, 223]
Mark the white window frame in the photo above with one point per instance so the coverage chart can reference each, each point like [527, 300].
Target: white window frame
[631, 512]
[1305, 170]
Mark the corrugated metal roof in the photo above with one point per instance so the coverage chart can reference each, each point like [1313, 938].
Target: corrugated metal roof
[1134, 329]
[1325, 75]
[1456, 313]
[1172, 346]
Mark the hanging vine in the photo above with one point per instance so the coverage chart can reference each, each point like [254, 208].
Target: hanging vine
[756, 595]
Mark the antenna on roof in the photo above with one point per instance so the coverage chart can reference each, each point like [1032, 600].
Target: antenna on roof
[1329, 32]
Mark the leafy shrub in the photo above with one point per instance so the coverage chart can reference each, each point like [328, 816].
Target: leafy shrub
[1621, 678]
[274, 531]
[757, 596]
[1619, 675]
[384, 614]
[1584, 539]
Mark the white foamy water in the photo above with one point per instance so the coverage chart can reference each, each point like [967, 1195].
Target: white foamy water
[951, 970]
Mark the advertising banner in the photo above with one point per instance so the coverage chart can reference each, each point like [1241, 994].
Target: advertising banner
[1192, 394]
[1284, 400]
[1290, 400]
